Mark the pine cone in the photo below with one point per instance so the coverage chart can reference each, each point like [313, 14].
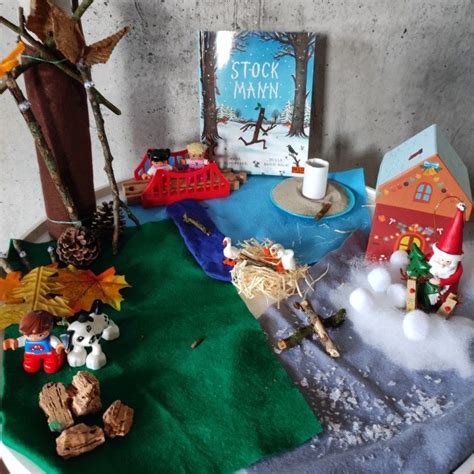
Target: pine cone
[78, 246]
[103, 220]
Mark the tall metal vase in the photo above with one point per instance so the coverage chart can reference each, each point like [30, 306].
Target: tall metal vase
[60, 106]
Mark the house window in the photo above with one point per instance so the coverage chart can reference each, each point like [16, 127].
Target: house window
[406, 242]
[423, 192]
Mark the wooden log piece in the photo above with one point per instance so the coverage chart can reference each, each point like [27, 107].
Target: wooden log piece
[318, 327]
[78, 440]
[411, 294]
[85, 394]
[118, 419]
[448, 306]
[54, 401]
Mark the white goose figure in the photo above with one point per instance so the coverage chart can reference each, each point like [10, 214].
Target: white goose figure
[287, 257]
[230, 252]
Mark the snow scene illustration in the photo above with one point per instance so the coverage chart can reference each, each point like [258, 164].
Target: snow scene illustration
[255, 92]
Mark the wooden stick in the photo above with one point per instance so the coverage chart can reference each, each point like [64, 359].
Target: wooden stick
[22, 254]
[81, 9]
[324, 210]
[47, 55]
[44, 149]
[295, 338]
[108, 157]
[318, 327]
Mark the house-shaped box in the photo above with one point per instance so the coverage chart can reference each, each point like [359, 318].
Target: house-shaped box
[418, 186]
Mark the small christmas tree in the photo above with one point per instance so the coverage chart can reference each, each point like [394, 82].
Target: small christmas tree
[418, 266]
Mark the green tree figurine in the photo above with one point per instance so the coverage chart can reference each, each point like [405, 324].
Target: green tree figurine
[418, 266]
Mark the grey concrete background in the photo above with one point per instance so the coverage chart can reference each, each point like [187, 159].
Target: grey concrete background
[386, 70]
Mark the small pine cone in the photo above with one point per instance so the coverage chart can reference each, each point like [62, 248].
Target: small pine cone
[103, 220]
[78, 247]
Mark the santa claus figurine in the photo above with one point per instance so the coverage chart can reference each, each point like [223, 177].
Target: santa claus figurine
[446, 267]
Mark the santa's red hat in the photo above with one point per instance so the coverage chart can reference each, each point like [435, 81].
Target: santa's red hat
[450, 243]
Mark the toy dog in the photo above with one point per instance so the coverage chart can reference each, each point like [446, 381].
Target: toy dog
[87, 331]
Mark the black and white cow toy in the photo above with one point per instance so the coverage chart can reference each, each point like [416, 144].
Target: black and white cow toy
[87, 331]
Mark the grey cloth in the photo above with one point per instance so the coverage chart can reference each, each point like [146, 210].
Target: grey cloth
[378, 417]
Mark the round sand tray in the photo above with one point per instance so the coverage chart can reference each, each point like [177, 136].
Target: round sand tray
[288, 197]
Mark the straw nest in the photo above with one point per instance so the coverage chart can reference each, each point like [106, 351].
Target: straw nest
[255, 275]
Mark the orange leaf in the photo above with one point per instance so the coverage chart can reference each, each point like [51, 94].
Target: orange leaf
[82, 287]
[11, 61]
[100, 51]
[8, 284]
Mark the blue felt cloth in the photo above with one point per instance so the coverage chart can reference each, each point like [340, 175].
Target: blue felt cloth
[249, 212]
[207, 250]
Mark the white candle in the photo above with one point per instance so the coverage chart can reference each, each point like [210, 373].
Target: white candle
[315, 178]
[63, 4]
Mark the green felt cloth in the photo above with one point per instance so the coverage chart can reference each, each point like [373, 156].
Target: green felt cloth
[217, 408]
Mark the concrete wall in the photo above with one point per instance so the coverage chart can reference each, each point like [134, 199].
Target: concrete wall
[387, 69]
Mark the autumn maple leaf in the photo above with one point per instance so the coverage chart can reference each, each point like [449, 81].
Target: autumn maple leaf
[8, 284]
[82, 287]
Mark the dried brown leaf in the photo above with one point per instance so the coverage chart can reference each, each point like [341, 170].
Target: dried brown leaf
[67, 35]
[39, 21]
[100, 51]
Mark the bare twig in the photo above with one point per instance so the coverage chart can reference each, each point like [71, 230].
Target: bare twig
[22, 21]
[108, 157]
[43, 148]
[22, 254]
[49, 56]
[318, 327]
[17, 72]
[81, 9]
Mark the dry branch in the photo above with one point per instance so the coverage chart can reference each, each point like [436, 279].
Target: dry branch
[81, 9]
[43, 148]
[318, 327]
[45, 54]
[108, 157]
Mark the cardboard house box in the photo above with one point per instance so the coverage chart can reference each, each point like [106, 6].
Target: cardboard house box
[418, 186]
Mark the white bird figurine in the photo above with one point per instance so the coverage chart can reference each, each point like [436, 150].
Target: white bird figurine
[230, 253]
[275, 248]
[287, 257]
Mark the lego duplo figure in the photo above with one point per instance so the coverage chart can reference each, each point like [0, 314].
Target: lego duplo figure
[197, 153]
[42, 349]
[158, 161]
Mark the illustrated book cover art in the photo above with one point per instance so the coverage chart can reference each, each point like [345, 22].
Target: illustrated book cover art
[255, 94]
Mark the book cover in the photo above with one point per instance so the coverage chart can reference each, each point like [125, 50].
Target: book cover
[255, 91]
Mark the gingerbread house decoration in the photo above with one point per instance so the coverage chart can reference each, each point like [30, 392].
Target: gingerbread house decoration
[418, 186]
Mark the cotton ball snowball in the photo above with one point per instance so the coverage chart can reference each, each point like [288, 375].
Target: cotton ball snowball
[399, 259]
[416, 325]
[379, 279]
[397, 294]
[361, 300]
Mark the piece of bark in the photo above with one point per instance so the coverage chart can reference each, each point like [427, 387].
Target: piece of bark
[319, 329]
[78, 440]
[118, 419]
[295, 338]
[54, 401]
[85, 394]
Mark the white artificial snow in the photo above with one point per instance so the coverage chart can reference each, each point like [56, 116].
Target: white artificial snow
[361, 300]
[379, 279]
[416, 325]
[399, 259]
[380, 325]
[397, 294]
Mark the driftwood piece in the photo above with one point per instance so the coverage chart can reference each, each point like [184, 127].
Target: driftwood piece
[324, 210]
[85, 394]
[318, 327]
[78, 440]
[54, 401]
[118, 419]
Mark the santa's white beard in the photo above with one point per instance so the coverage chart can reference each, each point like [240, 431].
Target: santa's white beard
[439, 271]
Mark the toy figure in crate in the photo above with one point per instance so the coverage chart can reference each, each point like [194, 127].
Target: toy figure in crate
[197, 156]
[42, 349]
[201, 180]
[159, 161]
